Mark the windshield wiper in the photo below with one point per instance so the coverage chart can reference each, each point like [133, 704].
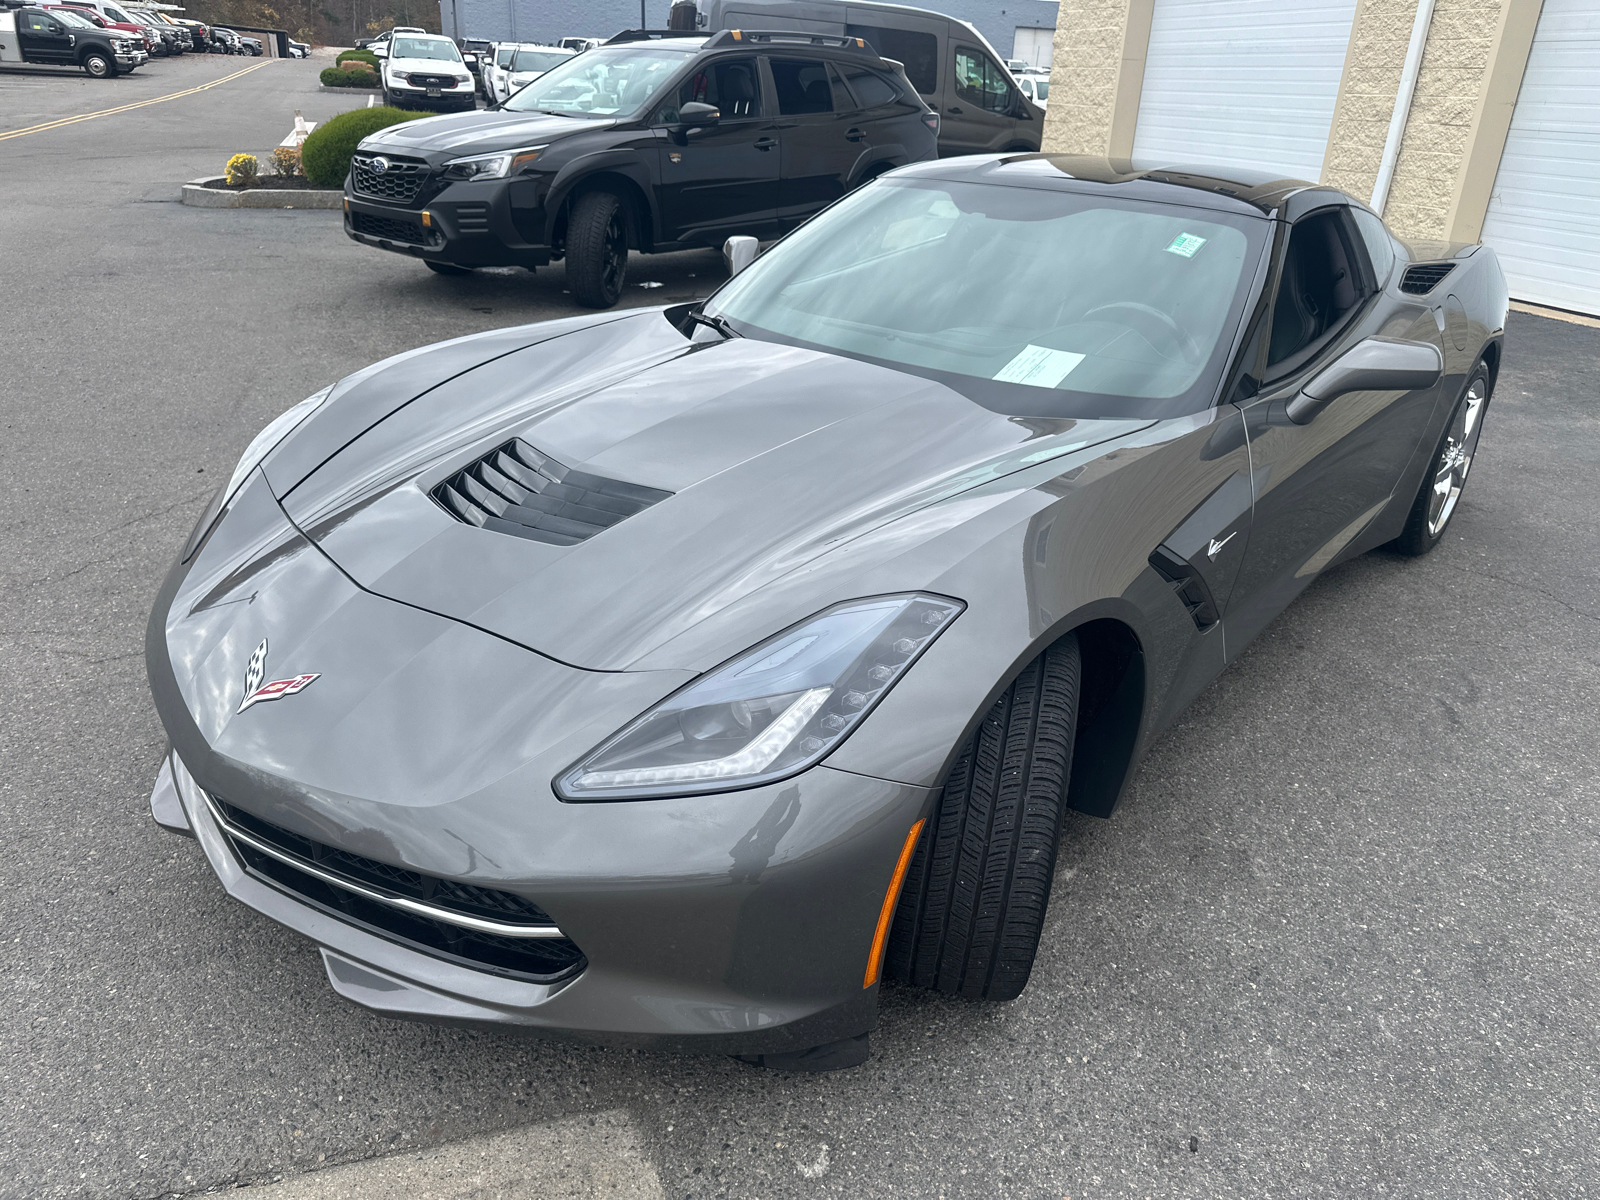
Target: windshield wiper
[712, 321]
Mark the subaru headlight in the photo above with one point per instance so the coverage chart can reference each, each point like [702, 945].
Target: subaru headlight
[492, 166]
[771, 712]
[260, 446]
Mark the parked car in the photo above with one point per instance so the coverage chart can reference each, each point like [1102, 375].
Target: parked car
[65, 39]
[579, 44]
[231, 42]
[383, 38]
[1036, 88]
[952, 66]
[199, 32]
[424, 70]
[112, 16]
[496, 66]
[652, 142]
[526, 65]
[670, 678]
[475, 53]
[299, 49]
[180, 38]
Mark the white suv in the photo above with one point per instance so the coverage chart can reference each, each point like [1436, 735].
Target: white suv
[522, 66]
[425, 70]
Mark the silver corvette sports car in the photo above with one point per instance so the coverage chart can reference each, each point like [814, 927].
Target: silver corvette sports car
[672, 677]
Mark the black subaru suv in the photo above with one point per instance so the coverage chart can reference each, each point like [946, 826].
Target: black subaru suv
[654, 141]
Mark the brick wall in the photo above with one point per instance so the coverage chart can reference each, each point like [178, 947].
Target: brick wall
[1084, 76]
[1378, 42]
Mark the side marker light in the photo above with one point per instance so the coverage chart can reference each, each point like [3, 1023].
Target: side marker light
[880, 939]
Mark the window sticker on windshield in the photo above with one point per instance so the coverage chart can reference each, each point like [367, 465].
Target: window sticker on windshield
[1186, 244]
[1039, 366]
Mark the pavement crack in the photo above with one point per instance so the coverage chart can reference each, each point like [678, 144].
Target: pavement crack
[1524, 587]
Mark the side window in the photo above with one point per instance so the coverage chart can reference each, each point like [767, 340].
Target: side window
[39, 23]
[871, 89]
[843, 101]
[1379, 244]
[730, 85]
[803, 87]
[1320, 286]
[980, 81]
[919, 52]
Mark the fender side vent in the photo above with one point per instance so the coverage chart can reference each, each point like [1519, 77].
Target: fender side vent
[1420, 280]
[514, 489]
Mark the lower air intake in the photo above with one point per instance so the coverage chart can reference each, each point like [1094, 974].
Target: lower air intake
[514, 489]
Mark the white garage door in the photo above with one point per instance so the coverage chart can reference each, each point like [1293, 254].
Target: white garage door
[1544, 213]
[1243, 83]
[1034, 46]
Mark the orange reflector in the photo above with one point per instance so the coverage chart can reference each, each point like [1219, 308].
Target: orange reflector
[863, 44]
[880, 939]
[347, 204]
[738, 35]
[427, 219]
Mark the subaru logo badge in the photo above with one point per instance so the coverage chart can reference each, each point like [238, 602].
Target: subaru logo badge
[380, 165]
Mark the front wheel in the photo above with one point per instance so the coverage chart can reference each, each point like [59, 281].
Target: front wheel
[99, 65]
[969, 918]
[1441, 488]
[597, 249]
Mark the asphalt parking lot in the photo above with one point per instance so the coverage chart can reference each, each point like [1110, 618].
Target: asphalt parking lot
[1339, 941]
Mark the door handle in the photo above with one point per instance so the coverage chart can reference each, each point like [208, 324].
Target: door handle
[766, 143]
[953, 109]
[854, 135]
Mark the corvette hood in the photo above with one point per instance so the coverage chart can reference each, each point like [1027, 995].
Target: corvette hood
[484, 132]
[769, 457]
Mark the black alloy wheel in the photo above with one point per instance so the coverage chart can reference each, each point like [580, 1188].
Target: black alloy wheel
[597, 249]
[969, 917]
[1440, 493]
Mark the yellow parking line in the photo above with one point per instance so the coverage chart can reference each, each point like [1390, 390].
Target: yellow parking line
[106, 112]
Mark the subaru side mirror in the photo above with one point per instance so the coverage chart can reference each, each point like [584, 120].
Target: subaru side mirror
[1377, 364]
[739, 252]
[694, 115]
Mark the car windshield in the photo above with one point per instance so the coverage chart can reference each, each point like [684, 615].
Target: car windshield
[113, 13]
[504, 55]
[1028, 301]
[74, 19]
[415, 47]
[604, 82]
[538, 60]
[1041, 88]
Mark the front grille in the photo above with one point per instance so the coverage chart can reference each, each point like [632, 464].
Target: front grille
[537, 958]
[399, 182]
[1419, 281]
[388, 227]
[427, 81]
[514, 489]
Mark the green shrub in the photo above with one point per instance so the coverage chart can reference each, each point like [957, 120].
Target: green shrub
[358, 75]
[334, 77]
[365, 56]
[325, 157]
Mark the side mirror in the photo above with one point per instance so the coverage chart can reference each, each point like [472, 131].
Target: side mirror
[739, 252]
[694, 115]
[380, 51]
[1378, 364]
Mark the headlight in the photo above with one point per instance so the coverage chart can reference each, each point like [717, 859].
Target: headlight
[771, 712]
[491, 166]
[260, 446]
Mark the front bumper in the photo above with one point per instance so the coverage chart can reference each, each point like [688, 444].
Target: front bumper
[738, 923]
[487, 223]
[457, 99]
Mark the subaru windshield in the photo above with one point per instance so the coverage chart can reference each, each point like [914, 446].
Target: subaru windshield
[1031, 302]
[610, 81]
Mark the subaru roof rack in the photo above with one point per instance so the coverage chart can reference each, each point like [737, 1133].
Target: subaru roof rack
[785, 37]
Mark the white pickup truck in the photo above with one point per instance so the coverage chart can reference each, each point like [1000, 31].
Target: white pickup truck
[62, 39]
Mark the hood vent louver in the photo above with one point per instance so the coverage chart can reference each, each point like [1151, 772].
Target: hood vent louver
[1420, 280]
[514, 489]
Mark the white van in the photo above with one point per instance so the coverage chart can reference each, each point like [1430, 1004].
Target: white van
[981, 109]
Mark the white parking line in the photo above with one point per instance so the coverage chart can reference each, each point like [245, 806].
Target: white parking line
[598, 1157]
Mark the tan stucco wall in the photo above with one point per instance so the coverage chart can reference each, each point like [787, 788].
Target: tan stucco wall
[1378, 41]
[1096, 76]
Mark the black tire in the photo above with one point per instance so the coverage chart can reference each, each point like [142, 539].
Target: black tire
[99, 64]
[597, 249]
[970, 915]
[439, 268]
[1439, 495]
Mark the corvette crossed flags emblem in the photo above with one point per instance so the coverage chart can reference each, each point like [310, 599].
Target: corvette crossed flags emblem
[255, 692]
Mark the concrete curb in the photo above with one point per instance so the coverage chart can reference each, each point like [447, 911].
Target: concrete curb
[350, 91]
[197, 195]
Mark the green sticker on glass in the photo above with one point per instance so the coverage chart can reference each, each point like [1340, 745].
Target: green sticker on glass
[1186, 244]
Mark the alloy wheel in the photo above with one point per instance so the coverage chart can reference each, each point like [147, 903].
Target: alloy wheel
[1450, 475]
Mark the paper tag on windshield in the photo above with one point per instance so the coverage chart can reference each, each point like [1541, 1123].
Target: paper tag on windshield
[1186, 244]
[1039, 366]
